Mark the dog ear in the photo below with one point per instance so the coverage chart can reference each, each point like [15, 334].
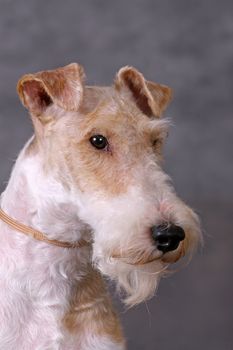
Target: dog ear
[151, 98]
[62, 87]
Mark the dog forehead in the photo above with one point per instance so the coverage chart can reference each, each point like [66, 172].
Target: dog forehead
[108, 112]
[110, 109]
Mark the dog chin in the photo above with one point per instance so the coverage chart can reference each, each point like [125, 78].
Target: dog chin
[138, 282]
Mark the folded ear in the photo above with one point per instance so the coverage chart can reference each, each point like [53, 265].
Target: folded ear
[62, 87]
[151, 98]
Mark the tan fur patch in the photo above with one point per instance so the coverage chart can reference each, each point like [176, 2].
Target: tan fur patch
[91, 310]
[130, 134]
[151, 98]
[62, 86]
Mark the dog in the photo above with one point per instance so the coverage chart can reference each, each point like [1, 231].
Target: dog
[87, 198]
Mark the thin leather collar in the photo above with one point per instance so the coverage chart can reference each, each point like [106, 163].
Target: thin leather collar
[39, 236]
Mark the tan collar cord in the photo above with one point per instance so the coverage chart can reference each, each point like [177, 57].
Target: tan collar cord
[29, 231]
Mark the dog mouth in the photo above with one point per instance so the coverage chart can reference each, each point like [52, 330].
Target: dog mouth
[141, 258]
[137, 260]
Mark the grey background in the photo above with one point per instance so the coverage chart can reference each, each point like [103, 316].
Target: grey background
[189, 46]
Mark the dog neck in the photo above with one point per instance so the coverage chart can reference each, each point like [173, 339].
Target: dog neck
[37, 200]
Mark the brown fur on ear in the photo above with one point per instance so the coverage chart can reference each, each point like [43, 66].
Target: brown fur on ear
[62, 86]
[151, 98]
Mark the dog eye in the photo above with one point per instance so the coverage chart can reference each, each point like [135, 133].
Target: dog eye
[99, 141]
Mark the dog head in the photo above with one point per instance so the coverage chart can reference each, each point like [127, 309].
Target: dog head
[104, 146]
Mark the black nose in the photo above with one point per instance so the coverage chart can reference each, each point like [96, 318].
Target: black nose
[167, 237]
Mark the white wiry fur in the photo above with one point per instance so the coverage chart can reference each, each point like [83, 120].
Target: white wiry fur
[36, 278]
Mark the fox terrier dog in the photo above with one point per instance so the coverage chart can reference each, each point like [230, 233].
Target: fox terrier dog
[87, 198]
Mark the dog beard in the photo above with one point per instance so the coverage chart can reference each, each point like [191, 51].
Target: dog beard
[136, 278]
